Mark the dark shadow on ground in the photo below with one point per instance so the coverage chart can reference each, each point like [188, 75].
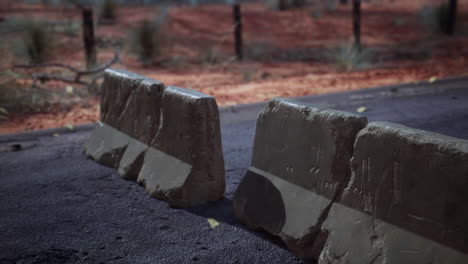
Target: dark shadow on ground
[223, 211]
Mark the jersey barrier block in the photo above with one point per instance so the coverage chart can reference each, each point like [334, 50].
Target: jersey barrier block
[166, 138]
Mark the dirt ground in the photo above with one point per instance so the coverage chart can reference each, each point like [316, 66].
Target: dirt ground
[288, 53]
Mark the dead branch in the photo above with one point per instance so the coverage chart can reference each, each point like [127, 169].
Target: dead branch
[78, 73]
[44, 65]
[46, 77]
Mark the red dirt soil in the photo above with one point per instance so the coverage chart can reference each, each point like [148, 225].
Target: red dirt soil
[196, 30]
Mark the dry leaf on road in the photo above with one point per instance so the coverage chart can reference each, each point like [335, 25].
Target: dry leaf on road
[213, 223]
[361, 109]
[69, 127]
[69, 89]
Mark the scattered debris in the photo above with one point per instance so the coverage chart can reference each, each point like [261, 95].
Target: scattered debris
[3, 114]
[3, 111]
[69, 89]
[16, 147]
[361, 109]
[163, 227]
[213, 223]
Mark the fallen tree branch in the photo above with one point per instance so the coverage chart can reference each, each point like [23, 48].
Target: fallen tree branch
[105, 66]
[46, 77]
[78, 73]
[44, 65]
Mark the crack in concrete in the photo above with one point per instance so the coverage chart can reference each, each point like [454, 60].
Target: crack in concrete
[136, 84]
[343, 187]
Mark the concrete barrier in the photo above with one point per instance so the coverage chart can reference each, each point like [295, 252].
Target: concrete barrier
[406, 201]
[130, 110]
[167, 138]
[187, 151]
[300, 165]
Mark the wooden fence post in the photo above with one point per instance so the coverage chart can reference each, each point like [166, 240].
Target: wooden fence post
[452, 17]
[237, 30]
[357, 23]
[88, 36]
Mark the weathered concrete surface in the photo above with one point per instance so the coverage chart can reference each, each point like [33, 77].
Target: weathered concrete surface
[166, 138]
[406, 201]
[186, 165]
[358, 238]
[130, 104]
[53, 199]
[301, 157]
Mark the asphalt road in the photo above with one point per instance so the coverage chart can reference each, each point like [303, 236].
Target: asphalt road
[56, 206]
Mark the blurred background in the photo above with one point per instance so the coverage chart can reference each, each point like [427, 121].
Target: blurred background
[54, 52]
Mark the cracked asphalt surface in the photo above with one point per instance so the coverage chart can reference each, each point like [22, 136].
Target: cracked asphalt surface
[57, 206]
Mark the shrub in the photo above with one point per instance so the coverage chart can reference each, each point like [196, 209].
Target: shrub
[316, 13]
[69, 27]
[437, 18]
[281, 5]
[331, 5]
[108, 10]
[399, 21]
[15, 96]
[211, 55]
[443, 18]
[347, 57]
[194, 3]
[248, 73]
[317, 9]
[149, 38]
[148, 45]
[36, 41]
[259, 50]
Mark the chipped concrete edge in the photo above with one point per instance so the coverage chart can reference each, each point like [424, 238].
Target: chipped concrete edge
[383, 240]
[379, 241]
[304, 233]
[327, 209]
